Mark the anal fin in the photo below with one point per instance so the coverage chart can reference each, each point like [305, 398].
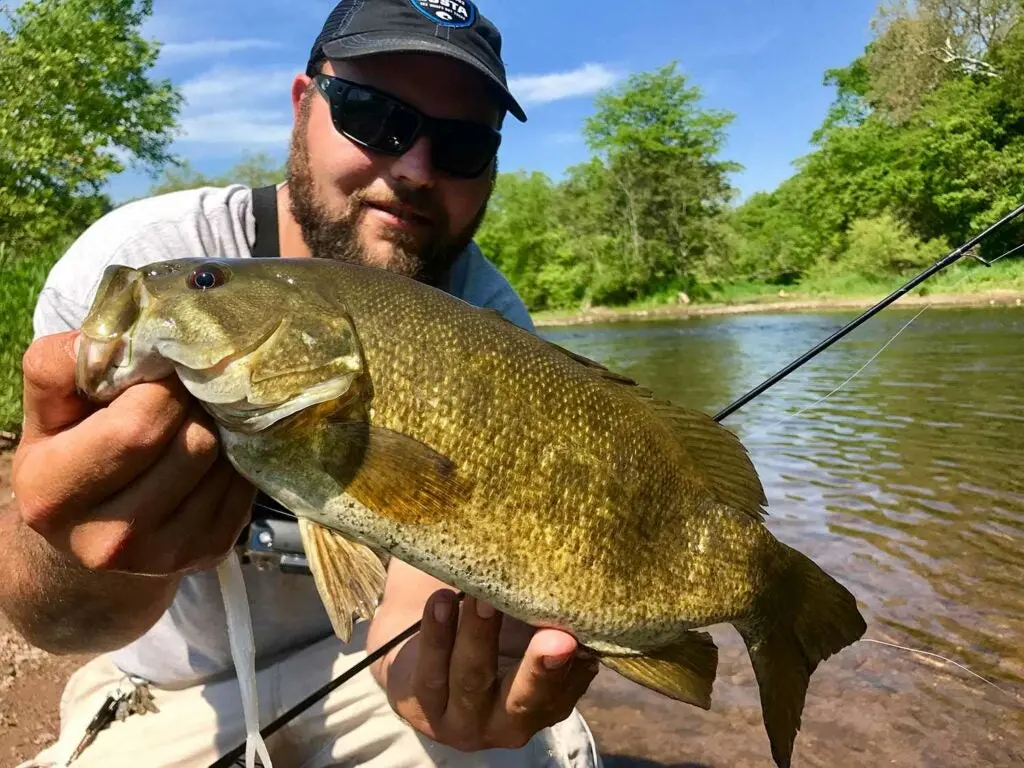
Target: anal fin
[684, 671]
[348, 575]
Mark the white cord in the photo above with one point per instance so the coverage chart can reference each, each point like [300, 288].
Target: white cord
[243, 654]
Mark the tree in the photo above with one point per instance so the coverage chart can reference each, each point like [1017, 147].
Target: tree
[918, 48]
[657, 180]
[78, 106]
[520, 233]
[253, 170]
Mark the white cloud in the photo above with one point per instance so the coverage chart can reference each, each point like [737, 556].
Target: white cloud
[237, 127]
[241, 107]
[234, 87]
[541, 89]
[201, 49]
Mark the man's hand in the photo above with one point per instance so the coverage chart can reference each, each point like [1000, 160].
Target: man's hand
[450, 682]
[135, 487]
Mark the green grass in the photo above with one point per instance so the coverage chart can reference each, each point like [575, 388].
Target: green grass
[22, 277]
[1005, 275]
[964, 278]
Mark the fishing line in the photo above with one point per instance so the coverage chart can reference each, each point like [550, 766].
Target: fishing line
[821, 400]
[938, 266]
[279, 510]
[1016, 700]
[859, 371]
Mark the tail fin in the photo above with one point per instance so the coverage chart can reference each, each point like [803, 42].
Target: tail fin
[814, 618]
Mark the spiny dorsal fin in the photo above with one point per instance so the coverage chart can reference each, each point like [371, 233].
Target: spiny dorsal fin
[604, 371]
[348, 576]
[684, 671]
[728, 468]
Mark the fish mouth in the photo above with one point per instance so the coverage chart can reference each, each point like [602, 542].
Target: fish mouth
[106, 367]
[97, 365]
[103, 366]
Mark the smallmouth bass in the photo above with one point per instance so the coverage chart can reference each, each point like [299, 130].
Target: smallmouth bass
[393, 417]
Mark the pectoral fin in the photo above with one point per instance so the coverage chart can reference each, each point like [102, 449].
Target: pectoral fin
[684, 671]
[392, 474]
[348, 575]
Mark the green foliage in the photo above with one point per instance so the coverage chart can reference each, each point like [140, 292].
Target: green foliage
[22, 276]
[883, 246]
[77, 105]
[916, 153]
[643, 216]
[253, 170]
[658, 150]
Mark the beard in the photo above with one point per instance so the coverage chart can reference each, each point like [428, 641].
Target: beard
[330, 235]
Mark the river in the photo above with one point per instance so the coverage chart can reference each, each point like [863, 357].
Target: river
[906, 485]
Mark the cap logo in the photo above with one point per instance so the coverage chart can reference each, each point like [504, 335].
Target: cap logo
[447, 13]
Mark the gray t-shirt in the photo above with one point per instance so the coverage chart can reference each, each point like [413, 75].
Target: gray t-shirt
[189, 643]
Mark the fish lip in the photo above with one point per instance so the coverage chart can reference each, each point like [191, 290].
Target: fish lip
[95, 357]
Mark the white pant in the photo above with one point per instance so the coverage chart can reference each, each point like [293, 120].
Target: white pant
[353, 725]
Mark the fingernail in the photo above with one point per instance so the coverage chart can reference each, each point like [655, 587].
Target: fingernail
[554, 662]
[484, 609]
[442, 610]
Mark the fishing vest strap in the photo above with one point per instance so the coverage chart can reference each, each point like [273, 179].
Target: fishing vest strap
[264, 210]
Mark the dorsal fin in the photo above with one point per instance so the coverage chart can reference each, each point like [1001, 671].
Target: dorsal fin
[720, 453]
[605, 372]
[728, 468]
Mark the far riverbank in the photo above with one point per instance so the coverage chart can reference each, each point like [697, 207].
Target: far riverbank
[994, 298]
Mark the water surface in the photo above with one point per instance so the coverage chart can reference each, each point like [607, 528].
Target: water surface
[906, 485]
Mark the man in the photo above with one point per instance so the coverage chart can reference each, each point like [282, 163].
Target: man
[122, 513]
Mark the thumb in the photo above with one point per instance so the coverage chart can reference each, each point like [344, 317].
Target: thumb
[51, 399]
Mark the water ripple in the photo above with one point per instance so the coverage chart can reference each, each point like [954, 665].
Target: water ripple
[906, 485]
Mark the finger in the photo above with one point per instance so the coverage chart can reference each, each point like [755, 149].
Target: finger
[436, 641]
[582, 671]
[80, 467]
[158, 491]
[474, 668]
[234, 513]
[186, 537]
[536, 694]
[113, 533]
[50, 397]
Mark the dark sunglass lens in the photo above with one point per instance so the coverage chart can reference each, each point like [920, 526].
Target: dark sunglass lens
[464, 149]
[377, 122]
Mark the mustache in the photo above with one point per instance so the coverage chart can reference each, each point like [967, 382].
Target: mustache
[422, 200]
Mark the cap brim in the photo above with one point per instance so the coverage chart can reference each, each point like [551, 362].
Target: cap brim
[370, 44]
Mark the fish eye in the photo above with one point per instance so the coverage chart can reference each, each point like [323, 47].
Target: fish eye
[206, 277]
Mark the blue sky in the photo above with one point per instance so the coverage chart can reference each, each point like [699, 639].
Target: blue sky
[762, 61]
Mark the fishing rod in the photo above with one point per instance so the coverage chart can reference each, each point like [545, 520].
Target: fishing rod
[231, 757]
[953, 257]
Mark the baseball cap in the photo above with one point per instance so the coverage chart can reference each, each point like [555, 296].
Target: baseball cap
[453, 28]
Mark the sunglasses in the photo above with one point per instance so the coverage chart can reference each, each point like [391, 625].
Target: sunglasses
[378, 121]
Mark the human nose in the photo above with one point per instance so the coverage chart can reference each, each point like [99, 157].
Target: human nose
[414, 167]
